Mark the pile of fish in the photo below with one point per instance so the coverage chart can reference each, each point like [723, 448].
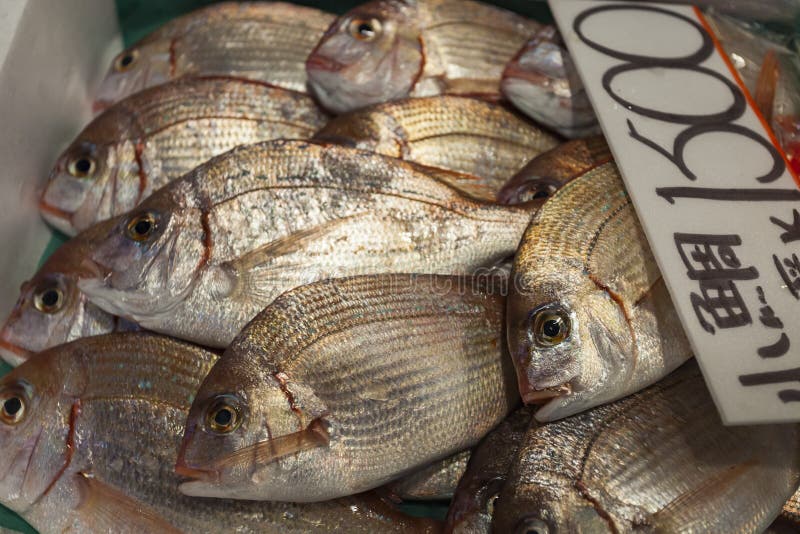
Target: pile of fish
[323, 265]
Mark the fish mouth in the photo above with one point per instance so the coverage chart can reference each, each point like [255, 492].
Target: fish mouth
[319, 62]
[59, 219]
[531, 76]
[194, 474]
[14, 355]
[545, 395]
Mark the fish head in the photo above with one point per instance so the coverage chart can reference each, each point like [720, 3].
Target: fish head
[82, 187]
[371, 54]
[143, 65]
[546, 508]
[149, 261]
[543, 82]
[528, 186]
[37, 411]
[569, 339]
[245, 426]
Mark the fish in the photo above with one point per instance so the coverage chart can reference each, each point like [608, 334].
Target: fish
[435, 482]
[203, 255]
[261, 41]
[541, 81]
[342, 385]
[658, 461]
[90, 432]
[789, 520]
[391, 49]
[460, 134]
[151, 138]
[472, 507]
[549, 171]
[589, 316]
[51, 310]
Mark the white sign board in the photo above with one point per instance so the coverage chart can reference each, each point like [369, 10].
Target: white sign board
[715, 196]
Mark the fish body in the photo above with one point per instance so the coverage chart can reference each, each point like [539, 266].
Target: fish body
[658, 461]
[262, 41]
[549, 171]
[541, 81]
[101, 421]
[459, 134]
[343, 385]
[51, 310]
[590, 318]
[391, 49]
[202, 256]
[147, 140]
[435, 482]
[472, 507]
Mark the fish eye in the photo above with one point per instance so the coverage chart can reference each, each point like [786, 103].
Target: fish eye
[49, 300]
[126, 60]
[223, 415]
[551, 326]
[81, 167]
[141, 227]
[13, 407]
[532, 525]
[365, 30]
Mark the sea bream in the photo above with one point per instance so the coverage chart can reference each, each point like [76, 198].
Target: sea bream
[658, 461]
[90, 433]
[391, 49]
[202, 256]
[589, 316]
[461, 134]
[262, 41]
[342, 385]
[157, 135]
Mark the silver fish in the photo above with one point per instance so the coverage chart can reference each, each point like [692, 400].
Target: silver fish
[205, 254]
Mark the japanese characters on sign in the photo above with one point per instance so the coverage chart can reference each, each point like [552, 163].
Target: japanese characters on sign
[712, 189]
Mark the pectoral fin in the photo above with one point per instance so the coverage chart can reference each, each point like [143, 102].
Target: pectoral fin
[107, 509]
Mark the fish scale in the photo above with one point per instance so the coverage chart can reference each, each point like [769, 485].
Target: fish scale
[157, 135]
[460, 134]
[263, 41]
[418, 377]
[127, 437]
[585, 256]
[660, 460]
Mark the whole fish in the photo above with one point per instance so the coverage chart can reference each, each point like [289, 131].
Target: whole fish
[262, 41]
[391, 49]
[472, 507]
[157, 135]
[205, 254]
[589, 316]
[549, 171]
[90, 433]
[51, 310]
[658, 461]
[460, 134]
[342, 385]
[436, 481]
[542, 82]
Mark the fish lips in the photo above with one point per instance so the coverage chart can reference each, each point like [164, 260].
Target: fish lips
[318, 62]
[13, 354]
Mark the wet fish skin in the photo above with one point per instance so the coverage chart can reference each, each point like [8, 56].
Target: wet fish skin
[262, 41]
[345, 384]
[460, 134]
[35, 324]
[104, 417]
[549, 171]
[235, 233]
[435, 482]
[472, 507]
[391, 49]
[658, 461]
[541, 81]
[590, 319]
[151, 138]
